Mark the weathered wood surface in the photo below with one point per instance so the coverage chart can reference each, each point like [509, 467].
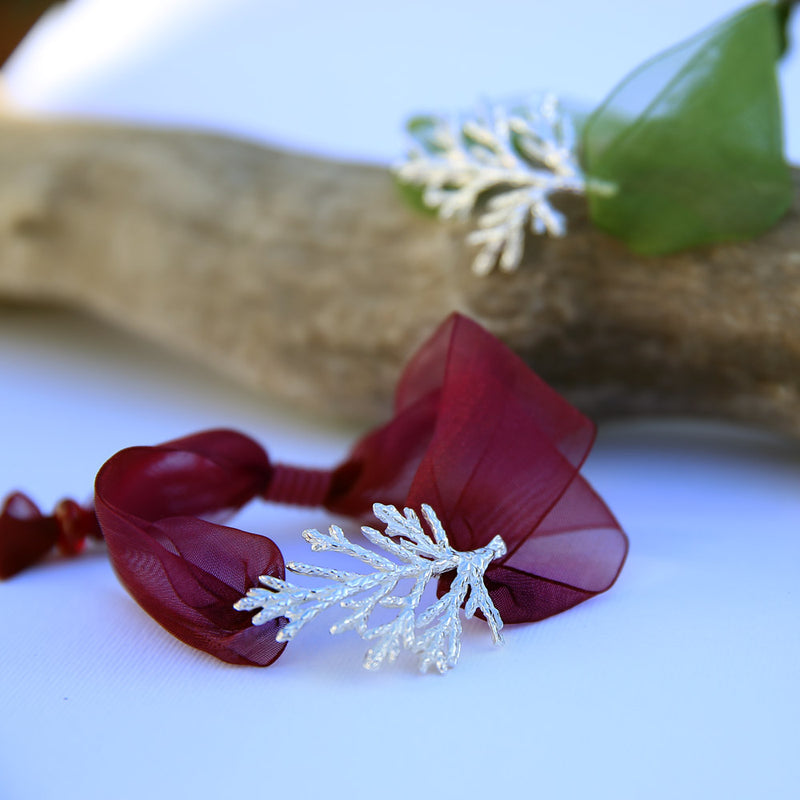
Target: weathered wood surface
[311, 280]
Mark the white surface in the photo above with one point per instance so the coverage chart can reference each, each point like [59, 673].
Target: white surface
[681, 682]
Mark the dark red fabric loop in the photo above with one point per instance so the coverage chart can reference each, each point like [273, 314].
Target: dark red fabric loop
[26, 536]
[160, 509]
[298, 486]
[494, 450]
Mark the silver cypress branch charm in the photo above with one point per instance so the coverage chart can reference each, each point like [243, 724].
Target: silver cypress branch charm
[434, 635]
[502, 165]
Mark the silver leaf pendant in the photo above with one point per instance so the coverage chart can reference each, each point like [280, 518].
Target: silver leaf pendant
[433, 633]
[502, 165]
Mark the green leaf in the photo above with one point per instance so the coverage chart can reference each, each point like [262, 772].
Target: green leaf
[693, 141]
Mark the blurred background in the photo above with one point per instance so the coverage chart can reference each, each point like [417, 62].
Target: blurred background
[16, 19]
[337, 78]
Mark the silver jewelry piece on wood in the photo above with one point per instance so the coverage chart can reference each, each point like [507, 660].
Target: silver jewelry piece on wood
[502, 166]
[434, 635]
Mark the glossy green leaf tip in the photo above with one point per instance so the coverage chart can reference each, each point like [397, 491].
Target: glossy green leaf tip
[693, 141]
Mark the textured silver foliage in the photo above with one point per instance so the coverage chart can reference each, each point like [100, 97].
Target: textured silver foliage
[434, 634]
[504, 166]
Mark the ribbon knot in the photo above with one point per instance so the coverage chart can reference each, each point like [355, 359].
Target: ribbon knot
[298, 486]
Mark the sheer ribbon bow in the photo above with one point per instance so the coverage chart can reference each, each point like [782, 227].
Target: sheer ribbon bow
[475, 434]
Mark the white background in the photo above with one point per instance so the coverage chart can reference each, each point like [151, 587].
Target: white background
[681, 682]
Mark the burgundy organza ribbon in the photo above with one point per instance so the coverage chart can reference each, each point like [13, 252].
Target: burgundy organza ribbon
[27, 536]
[475, 434]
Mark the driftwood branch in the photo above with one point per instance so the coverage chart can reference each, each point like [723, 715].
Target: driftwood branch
[310, 279]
